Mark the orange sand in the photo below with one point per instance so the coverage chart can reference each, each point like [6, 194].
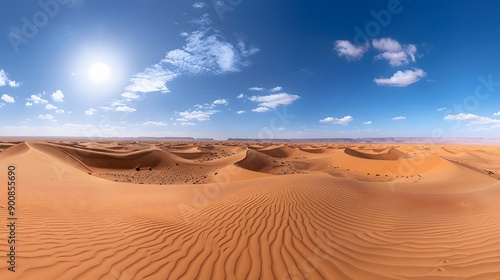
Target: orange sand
[165, 210]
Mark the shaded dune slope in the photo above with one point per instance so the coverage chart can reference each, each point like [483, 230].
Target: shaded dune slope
[392, 154]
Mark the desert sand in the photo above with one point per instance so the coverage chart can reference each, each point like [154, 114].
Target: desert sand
[229, 210]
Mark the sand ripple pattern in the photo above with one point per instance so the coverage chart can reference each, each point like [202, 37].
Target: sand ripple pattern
[312, 226]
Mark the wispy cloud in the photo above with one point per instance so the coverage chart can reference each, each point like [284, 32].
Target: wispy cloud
[221, 102]
[46, 117]
[441, 109]
[207, 51]
[276, 89]
[59, 111]
[129, 96]
[471, 119]
[402, 78]
[90, 112]
[240, 112]
[198, 115]
[496, 114]
[273, 100]
[151, 123]
[241, 95]
[349, 50]
[50, 107]
[58, 96]
[399, 118]
[343, 121]
[153, 79]
[199, 5]
[7, 98]
[36, 99]
[4, 80]
[125, 109]
[256, 88]
[395, 53]
[367, 122]
[261, 109]
[28, 104]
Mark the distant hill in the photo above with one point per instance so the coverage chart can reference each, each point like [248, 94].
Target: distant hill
[426, 140]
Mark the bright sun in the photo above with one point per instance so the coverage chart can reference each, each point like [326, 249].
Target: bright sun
[99, 73]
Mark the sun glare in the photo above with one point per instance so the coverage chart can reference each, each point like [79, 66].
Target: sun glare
[99, 73]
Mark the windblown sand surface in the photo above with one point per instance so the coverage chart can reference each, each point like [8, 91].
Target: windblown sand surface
[165, 210]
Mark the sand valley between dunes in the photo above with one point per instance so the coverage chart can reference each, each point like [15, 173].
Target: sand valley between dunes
[228, 210]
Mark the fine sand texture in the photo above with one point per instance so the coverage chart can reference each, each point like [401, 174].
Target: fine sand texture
[228, 210]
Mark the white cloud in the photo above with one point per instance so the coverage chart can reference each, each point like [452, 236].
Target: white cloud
[60, 111]
[349, 50]
[471, 119]
[50, 107]
[275, 89]
[129, 96]
[107, 108]
[199, 5]
[402, 78]
[441, 109]
[241, 96]
[187, 123]
[46, 117]
[150, 123]
[28, 104]
[90, 111]
[7, 98]
[58, 96]
[399, 118]
[496, 114]
[204, 21]
[4, 80]
[206, 51]
[395, 53]
[240, 112]
[368, 122]
[196, 115]
[118, 103]
[256, 89]
[125, 109]
[261, 109]
[343, 121]
[221, 102]
[37, 99]
[274, 100]
[153, 79]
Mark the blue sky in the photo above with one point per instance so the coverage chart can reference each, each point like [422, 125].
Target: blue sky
[249, 69]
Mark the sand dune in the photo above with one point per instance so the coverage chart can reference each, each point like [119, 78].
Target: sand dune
[391, 154]
[163, 210]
